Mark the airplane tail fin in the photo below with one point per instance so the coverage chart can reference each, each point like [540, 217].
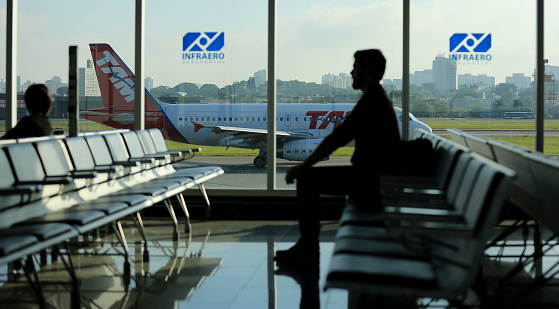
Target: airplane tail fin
[116, 82]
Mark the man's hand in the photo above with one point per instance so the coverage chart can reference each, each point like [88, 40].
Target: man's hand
[294, 172]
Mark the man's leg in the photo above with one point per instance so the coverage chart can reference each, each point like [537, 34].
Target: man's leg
[338, 180]
[316, 181]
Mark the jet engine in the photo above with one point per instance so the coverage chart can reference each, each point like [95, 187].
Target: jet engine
[298, 150]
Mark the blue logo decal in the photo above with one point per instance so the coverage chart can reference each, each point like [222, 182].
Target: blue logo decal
[470, 42]
[470, 48]
[203, 41]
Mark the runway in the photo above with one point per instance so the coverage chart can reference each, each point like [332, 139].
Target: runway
[241, 174]
[503, 133]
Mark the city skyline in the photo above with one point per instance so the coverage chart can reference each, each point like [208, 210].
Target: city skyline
[313, 37]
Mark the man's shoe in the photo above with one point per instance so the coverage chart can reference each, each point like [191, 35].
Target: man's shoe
[298, 254]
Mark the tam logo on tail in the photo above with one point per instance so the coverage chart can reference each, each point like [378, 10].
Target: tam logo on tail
[118, 76]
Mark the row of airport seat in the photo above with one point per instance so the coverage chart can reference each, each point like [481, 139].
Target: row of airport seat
[55, 188]
[429, 240]
[535, 189]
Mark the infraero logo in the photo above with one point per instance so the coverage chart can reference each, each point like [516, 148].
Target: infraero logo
[203, 47]
[470, 47]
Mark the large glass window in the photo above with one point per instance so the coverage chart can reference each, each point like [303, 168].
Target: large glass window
[45, 32]
[472, 67]
[316, 41]
[551, 85]
[205, 66]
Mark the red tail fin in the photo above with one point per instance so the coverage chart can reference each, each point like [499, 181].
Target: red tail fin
[116, 82]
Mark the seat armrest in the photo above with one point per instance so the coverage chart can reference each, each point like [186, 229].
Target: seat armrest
[108, 168]
[423, 214]
[20, 190]
[53, 180]
[434, 228]
[148, 160]
[127, 163]
[435, 203]
[84, 174]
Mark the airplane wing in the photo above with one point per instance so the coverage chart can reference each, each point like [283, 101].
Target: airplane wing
[122, 118]
[255, 136]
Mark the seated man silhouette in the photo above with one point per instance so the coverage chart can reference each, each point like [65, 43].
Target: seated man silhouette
[374, 128]
[38, 103]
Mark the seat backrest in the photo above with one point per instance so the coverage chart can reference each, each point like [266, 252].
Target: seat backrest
[147, 142]
[158, 140]
[457, 137]
[133, 144]
[26, 162]
[546, 175]
[117, 147]
[523, 193]
[447, 156]
[55, 158]
[7, 180]
[80, 154]
[459, 272]
[99, 149]
[458, 174]
[479, 145]
[468, 181]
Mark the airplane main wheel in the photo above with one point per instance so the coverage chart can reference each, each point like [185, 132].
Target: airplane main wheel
[259, 162]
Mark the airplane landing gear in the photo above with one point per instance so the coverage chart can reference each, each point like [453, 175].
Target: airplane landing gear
[260, 161]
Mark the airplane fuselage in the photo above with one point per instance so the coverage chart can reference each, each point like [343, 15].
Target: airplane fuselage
[317, 120]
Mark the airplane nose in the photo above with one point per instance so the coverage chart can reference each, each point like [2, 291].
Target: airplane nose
[426, 127]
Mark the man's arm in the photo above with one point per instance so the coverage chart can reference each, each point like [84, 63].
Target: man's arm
[326, 147]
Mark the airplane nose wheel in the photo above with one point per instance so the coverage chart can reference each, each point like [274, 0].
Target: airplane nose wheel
[260, 161]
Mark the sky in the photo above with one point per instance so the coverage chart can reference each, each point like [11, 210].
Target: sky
[313, 37]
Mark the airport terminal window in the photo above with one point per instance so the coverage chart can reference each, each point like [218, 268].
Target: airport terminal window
[3, 8]
[316, 42]
[467, 69]
[551, 86]
[45, 32]
[451, 84]
[206, 58]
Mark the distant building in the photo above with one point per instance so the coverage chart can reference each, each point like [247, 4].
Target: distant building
[89, 87]
[444, 73]
[342, 80]
[260, 78]
[149, 83]
[421, 77]
[53, 84]
[397, 83]
[518, 79]
[482, 79]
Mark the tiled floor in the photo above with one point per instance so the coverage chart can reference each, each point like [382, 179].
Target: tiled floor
[220, 264]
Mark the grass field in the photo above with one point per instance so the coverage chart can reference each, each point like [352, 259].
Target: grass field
[490, 124]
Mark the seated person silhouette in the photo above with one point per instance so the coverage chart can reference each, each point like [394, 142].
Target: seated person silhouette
[374, 128]
[38, 102]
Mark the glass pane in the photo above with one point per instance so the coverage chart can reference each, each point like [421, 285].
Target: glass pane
[204, 67]
[472, 68]
[551, 85]
[3, 10]
[45, 32]
[316, 43]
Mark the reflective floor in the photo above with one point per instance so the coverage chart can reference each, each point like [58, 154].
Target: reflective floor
[225, 264]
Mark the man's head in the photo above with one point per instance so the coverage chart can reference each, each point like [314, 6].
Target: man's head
[38, 100]
[368, 67]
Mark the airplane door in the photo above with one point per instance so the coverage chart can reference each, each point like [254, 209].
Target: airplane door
[287, 120]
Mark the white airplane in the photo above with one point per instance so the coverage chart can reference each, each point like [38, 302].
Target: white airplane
[300, 127]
